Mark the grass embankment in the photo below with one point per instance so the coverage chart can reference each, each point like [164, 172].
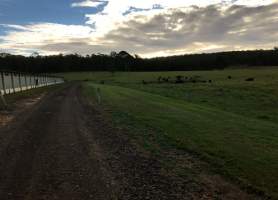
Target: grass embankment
[231, 123]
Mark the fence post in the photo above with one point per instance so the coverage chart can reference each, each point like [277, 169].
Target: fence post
[30, 82]
[41, 77]
[20, 84]
[25, 78]
[3, 82]
[35, 83]
[12, 79]
[98, 94]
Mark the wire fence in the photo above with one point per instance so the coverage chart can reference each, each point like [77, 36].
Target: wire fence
[12, 82]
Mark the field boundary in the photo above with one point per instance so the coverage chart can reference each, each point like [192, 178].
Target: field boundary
[12, 82]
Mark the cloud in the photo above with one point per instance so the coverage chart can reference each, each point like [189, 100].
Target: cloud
[88, 3]
[115, 12]
[172, 29]
[35, 36]
[199, 29]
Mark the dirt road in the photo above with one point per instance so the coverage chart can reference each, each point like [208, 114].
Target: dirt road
[61, 148]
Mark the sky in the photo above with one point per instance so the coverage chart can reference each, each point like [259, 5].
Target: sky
[148, 28]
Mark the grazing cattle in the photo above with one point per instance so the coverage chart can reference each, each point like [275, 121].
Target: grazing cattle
[229, 77]
[250, 79]
[166, 79]
[179, 79]
[159, 79]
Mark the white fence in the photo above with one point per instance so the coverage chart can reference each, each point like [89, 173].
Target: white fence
[12, 82]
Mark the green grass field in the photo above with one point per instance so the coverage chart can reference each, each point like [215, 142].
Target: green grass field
[230, 123]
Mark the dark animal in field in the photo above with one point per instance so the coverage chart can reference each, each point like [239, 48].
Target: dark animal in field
[159, 79]
[144, 82]
[210, 81]
[179, 79]
[229, 77]
[264, 117]
[166, 79]
[193, 79]
[250, 79]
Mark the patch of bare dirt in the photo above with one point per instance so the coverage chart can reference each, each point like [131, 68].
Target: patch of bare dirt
[5, 118]
[7, 115]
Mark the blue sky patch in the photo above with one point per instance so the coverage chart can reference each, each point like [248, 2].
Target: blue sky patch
[38, 11]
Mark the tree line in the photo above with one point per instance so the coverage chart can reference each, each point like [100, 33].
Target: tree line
[123, 61]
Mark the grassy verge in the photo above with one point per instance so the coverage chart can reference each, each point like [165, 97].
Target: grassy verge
[241, 147]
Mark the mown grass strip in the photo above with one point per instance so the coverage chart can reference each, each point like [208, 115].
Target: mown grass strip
[241, 147]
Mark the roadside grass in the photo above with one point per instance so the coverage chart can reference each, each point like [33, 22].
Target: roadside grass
[242, 148]
[230, 123]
